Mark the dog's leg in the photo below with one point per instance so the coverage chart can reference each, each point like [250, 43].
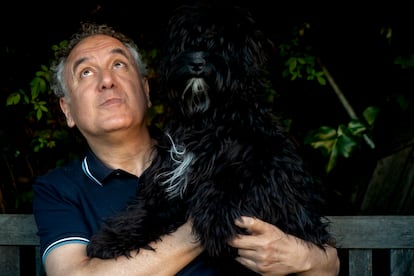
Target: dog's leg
[145, 221]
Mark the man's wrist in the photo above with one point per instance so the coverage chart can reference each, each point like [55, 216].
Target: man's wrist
[321, 262]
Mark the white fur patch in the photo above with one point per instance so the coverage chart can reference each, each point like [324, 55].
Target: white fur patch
[177, 179]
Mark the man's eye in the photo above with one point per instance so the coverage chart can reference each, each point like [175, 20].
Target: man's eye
[119, 64]
[85, 73]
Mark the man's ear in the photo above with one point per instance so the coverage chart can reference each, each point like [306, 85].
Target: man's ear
[65, 107]
[147, 92]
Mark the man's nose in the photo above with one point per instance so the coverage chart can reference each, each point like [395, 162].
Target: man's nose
[107, 79]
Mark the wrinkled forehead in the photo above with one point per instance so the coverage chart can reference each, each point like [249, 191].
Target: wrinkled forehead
[96, 45]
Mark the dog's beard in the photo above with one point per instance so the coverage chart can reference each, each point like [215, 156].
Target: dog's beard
[195, 96]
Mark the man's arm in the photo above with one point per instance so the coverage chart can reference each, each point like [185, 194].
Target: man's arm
[172, 254]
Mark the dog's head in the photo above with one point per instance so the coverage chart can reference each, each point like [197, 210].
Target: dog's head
[213, 56]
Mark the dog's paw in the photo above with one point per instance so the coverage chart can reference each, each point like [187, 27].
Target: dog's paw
[94, 250]
[110, 249]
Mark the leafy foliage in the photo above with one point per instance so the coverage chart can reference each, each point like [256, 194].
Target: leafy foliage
[47, 130]
[334, 143]
[342, 141]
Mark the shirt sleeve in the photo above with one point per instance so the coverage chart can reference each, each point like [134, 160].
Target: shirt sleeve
[58, 216]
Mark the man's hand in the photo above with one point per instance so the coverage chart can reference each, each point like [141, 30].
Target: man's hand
[269, 251]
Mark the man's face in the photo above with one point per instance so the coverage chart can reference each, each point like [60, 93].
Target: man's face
[106, 92]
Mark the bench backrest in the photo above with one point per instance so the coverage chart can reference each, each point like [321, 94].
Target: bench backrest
[19, 246]
[375, 245]
[363, 241]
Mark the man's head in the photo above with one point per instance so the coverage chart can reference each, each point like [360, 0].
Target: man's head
[101, 82]
[89, 29]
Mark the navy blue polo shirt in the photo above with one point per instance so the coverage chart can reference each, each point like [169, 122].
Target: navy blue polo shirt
[71, 201]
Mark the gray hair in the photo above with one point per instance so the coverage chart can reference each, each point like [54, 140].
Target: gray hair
[57, 81]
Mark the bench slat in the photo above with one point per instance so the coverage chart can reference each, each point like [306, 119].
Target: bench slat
[18, 229]
[402, 262]
[9, 260]
[360, 262]
[375, 232]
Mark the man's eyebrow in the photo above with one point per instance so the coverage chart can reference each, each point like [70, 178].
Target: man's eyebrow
[77, 63]
[113, 51]
[121, 52]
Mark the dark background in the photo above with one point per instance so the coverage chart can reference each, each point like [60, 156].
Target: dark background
[357, 43]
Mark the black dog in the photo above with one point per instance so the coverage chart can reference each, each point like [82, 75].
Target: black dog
[222, 154]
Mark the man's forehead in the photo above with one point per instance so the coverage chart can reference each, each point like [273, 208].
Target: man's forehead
[94, 44]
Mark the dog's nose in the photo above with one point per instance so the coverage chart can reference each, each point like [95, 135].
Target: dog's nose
[197, 67]
[197, 62]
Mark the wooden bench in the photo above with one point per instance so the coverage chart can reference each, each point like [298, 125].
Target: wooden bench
[368, 245]
[19, 246]
[375, 245]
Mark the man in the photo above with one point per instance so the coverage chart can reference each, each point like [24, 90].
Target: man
[101, 82]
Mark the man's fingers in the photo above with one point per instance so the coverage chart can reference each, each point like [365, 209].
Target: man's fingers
[246, 223]
[253, 225]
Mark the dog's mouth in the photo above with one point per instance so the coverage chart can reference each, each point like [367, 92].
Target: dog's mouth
[194, 97]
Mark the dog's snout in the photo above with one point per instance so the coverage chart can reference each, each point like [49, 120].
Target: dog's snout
[197, 67]
[197, 62]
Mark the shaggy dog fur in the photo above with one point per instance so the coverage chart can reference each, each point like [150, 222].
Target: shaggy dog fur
[222, 154]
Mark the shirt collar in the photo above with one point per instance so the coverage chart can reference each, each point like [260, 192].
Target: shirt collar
[98, 172]
[95, 169]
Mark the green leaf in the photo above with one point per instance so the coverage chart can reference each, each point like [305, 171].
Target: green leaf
[324, 146]
[39, 114]
[356, 127]
[26, 99]
[51, 144]
[346, 143]
[323, 138]
[38, 85]
[44, 68]
[13, 98]
[370, 114]
[321, 80]
[321, 134]
[310, 71]
[43, 108]
[40, 74]
[301, 60]
[292, 64]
